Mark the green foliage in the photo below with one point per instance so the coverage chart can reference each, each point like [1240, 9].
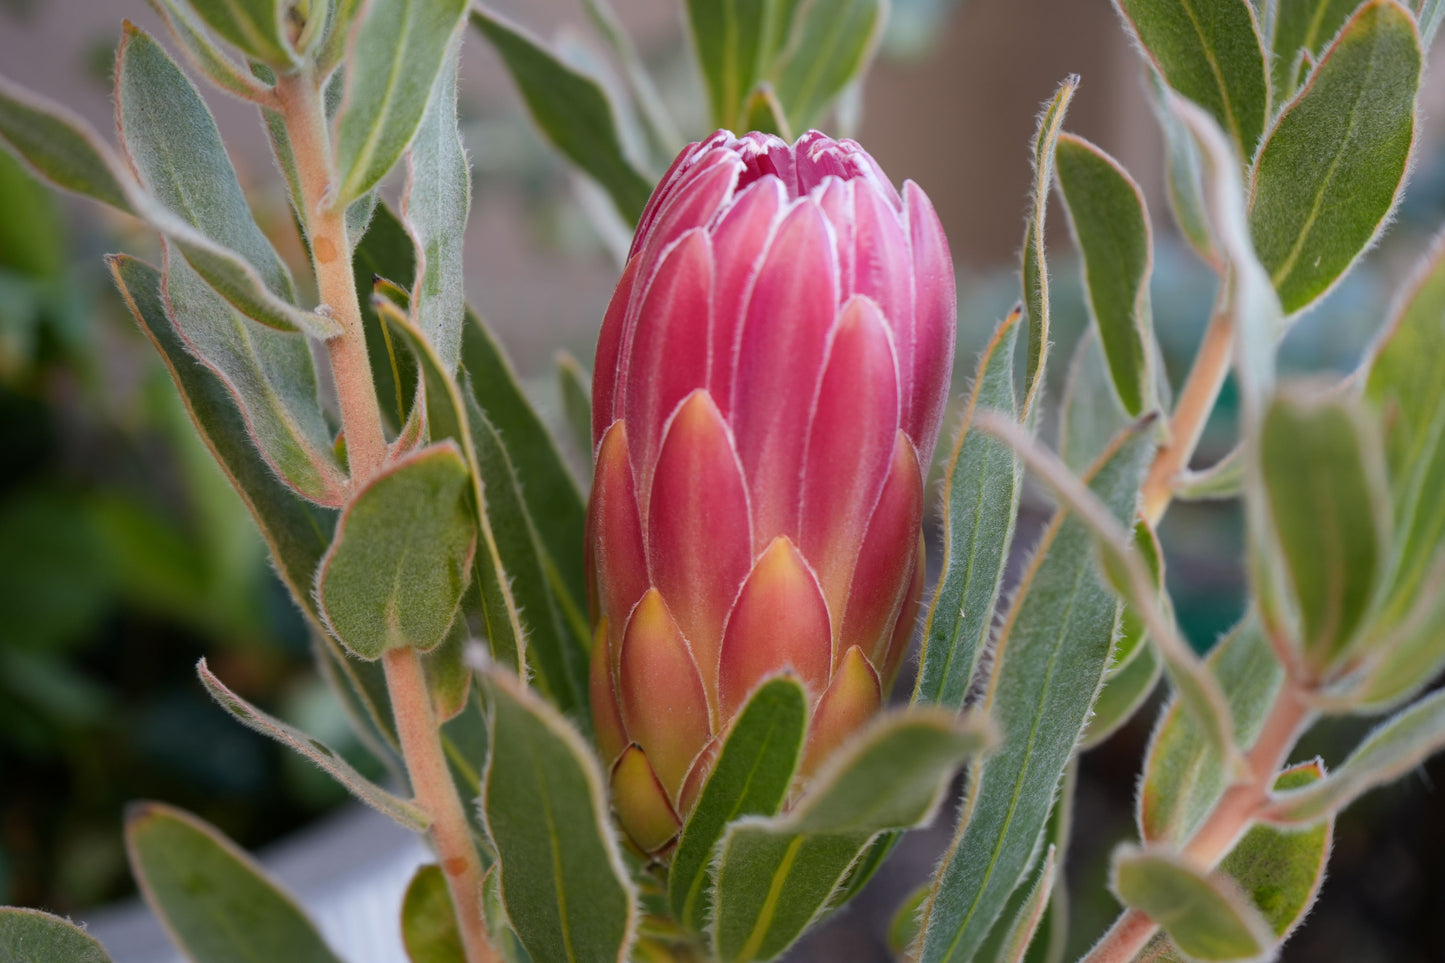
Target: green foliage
[1024, 924]
[204, 55]
[428, 924]
[60, 147]
[1302, 29]
[30, 936]
[1034, 271]
[828, 46]
[754, 769]
[545, 805]
[980, 504]
[1206, 916]
[1334, 162]
[215, 901]
[257, 27]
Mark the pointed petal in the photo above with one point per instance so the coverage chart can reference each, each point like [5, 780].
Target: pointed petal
[935, 311]
[699, 541]
[693, 201]
[907, 623]
[883, 269]
[853, 697]
[668, 357]
[850, 447]
[642, 807]
[663, 703]
[780, 364]
[606, 365]
[606, 717]
[615, 539]
[779, 621]
[697, 777]
[886, 561]
[739, 242]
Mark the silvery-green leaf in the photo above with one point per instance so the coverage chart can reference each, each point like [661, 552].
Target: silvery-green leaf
[575, 385]
[1049, 661]
[1224, 479]
[61, 147]
[31, 936]
[1089, 414]
[980, 504]
[829, 44]
[203, 53]
[1124, 692]
[1333, 165]
[1182, 175]
[571, 110]
[1428, 14]
[1205, 915]
[662, 133]
[1394, 748]
[428, 922]
[434, 207]
[1210, 52]
[1034, 272]
[340, 22]
[257, 27]
[313, 749]
[1324, 479]
[1025, 922]
[398, 48]
[1184, 774]
[751, 777]
[1303, 26]
[563, 881]
[775, 875]
[1111, 231]
[216, 902]
[402, 556]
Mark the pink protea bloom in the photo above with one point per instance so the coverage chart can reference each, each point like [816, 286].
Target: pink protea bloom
[769, 383]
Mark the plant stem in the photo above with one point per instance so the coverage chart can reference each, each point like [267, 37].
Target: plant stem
[1232, 815]
[434, 791]
[1196, 401]
[300, 99]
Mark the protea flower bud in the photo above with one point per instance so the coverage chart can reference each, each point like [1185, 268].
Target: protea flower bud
[769, 383]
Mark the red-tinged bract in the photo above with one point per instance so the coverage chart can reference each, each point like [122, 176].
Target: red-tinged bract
[769, 383]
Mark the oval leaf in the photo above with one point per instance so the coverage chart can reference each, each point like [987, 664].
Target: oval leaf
[428, 922]
[1206, 916]
[257, 27]
[30, 936]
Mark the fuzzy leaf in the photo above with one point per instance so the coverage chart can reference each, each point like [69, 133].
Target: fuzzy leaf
[216, 902]
[1210, 52]
[328, 759]
[1111, 230]
[385, 253]
[751, 778]
[428, 922]
[1334, 163]
[402, 555]
[1034, 272]
[1182, 175]
[1124, 692]
[571, 110]
[1207, 917]
[438, 197]
[1428, 15]
[402, 45]
[1395, 747]
[195, 42]
[60, 147]
[1050, 659]
[1024, 925]
[563, 881]
[980, 504]
[1303, 26]
[828, 47]
[774, 876]
[1324, 480]
[1089, 415]
[257, 27]
[30, 936]
[1183, 773]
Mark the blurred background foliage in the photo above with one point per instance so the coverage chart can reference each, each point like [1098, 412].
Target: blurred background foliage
[125, 556]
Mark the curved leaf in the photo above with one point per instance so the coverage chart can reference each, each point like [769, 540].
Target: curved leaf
[1206, 916]
[428, 922]
[30, 936]
[1034, 272]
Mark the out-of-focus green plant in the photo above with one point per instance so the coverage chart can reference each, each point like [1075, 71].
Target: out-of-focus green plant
[422, 504]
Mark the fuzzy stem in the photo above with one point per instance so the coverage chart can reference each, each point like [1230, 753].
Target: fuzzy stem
[431, 783]
[1232, 815]
[300, 98]
[1196, 401]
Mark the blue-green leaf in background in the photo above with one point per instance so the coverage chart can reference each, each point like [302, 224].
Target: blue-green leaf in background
[1333, 165]
[400, 49]
[572, 111]
[216, 902]
[1182, 175]
[563, 881]
[30, 936]
[1050, 659]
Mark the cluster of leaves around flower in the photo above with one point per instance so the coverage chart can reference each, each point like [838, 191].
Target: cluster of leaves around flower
[475, 526]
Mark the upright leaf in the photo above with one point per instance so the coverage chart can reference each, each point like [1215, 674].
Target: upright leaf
[1025, 923]
[1428, 16]
[829, 46]
[438, 197]
[1111, 230]
[1210, 52]
[572, 111]
[1125, 691]
[217, 904]
[428, 921]
[563, 881]
[729, 37]
[1324, 481]
[774, 876]
[980, 504]
[196, 43]
[1303, 28]
[1182, 175]
[1034, 272]
[257, 27]
[30, 936]
[576, 390]
[1049, 662]
[1089, 413]
[1206, 916]
[399, 49]
[1334, 163]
